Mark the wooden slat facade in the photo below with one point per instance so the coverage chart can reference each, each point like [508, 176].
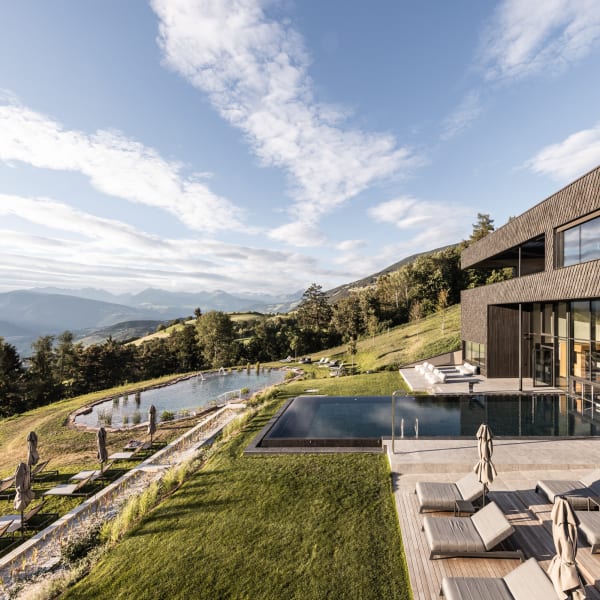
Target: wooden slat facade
[480, 306]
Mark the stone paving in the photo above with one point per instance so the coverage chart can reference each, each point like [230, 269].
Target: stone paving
[456, 383]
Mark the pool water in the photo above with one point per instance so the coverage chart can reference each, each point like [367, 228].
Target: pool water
[364, 420]
[185, 396]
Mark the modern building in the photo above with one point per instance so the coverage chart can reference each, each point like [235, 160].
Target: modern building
[543, 323]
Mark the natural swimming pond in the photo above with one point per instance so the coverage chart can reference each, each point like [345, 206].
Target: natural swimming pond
[364, 420]
[184, 397]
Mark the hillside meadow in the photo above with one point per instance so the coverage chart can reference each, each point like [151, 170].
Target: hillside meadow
[282, 526]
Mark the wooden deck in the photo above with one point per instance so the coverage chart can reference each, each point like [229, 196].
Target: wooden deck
[528, 512]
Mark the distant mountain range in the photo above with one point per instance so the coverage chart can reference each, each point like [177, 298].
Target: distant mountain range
[94, 314]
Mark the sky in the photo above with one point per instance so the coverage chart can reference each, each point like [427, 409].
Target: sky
[260, 146]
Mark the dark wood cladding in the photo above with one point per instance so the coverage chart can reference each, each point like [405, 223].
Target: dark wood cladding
[569, 283]
[503, 340]
[575, 200]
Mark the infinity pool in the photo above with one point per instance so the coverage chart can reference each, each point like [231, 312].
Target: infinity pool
[184, 397]
[364, 420]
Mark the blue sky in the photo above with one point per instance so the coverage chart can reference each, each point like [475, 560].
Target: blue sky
[260, 146]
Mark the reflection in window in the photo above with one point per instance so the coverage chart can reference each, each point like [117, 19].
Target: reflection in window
[547, 319]
[595, 356]
[590, 240]
[581, 353]
[596, 320]
[562, 319]
[571, 247]
[475, 353]
[579, 244]
[581, 320]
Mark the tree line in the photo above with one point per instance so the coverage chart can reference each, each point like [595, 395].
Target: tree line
[61, 368]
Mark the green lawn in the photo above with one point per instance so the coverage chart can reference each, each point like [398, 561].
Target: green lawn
[264, 527]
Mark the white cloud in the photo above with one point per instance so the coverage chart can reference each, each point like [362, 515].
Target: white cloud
[351, 245]
[73, 248]
[527, 36]
[429, 224]
[570, 158]
[298, 233]
[465, 113]
[115, 165]
[255, 72]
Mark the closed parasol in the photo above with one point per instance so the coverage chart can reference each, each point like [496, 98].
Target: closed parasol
[151, 421]
[24, 494]
[562, 569]
[32, 453]
[101, 441]
[484, 468]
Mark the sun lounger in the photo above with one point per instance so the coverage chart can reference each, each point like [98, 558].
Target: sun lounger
[527, 582]
[6, 484]
[15, 520]
[5, 525]
[441, 496]
[40, 470]
[72, 489]
[474, 536]
[589, 525]
[577, 492]
[131, 451]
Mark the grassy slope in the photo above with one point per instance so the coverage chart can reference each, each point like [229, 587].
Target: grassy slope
[405, 344]
[67, 448]
[298, 526]
[310, 526]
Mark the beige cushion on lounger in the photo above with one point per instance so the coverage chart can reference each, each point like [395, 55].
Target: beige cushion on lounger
[475, 588]
[589, 524]
[452, 535]
[592, 480]
[470, 487]
[577, 491]
[529, 582]
[526, 582]
[492, 525]
[471, 536]
[438, 495]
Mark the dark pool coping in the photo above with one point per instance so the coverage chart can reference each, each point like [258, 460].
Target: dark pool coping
[254, 448]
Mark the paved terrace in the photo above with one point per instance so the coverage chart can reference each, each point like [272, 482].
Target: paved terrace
[456, 383]
[520, 464]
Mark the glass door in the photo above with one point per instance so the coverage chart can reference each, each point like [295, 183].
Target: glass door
[544, 366]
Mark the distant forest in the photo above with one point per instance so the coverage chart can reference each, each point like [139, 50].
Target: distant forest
[60, 368]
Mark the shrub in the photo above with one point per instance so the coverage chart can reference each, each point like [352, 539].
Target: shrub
[136, 417]
[77, 546]
[167, 415]
[105, 417]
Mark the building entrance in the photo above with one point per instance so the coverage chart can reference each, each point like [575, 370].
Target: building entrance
[543, 366]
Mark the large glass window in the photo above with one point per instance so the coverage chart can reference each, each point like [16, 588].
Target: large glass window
[536, 319]
[581, 352]
[596, 320]
[595, 362]
[571, 250]
[547, 319]
[475, 353]
[579, 243]
[562, 319]
[590, 240]
[581, 320]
